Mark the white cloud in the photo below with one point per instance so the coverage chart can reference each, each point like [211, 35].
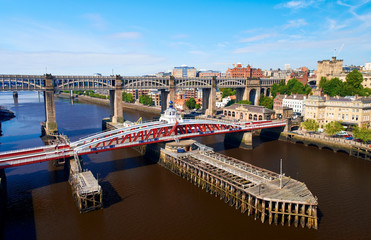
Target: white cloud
[298, 4]
[295, 23]
[127, 35]
[256, 38]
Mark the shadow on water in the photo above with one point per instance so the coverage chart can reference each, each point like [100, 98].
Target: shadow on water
[110, 195]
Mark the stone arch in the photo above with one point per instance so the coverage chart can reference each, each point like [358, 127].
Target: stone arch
[255, 117]
[250, 116]
[260, 117]
[241, 115]
[262, 91]
[233, 114]
[268, 92]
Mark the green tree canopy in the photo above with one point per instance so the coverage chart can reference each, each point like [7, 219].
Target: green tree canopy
[354, 79]
[362, 133]
[292, 86]
[266, 102]
[333, 127]
[333, 87]
[127, 97]
[146, 100]
[190, 103]
[227, 92]
[198, 106]
[310, 125]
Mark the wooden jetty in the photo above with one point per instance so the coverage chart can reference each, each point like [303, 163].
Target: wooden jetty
[261, 193]
[85, 188]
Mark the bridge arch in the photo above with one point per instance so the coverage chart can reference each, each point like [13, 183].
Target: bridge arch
[252, 96]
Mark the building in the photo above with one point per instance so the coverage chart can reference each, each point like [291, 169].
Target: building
[278, 101]
[180, 103]
[248, 112]
[295, 101]
[283, 113]
[209, 73]
[186, 93]
[330, 69]
[349, 110]
[156, 97]
[225, 101]
[184, 72]
[241, 72]
[367, 67]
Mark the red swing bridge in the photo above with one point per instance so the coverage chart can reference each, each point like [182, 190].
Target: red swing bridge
[131, 136]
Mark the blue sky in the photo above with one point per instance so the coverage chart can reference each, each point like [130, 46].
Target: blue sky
[143, 37]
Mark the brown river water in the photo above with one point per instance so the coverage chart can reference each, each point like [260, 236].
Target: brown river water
[143, 200]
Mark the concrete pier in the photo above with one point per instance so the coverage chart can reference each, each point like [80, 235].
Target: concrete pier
[240, 139]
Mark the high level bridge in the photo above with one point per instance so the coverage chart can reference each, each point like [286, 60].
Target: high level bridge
[135, 135]
[246, 89]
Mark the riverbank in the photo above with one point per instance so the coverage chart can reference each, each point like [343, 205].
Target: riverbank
[106, 102]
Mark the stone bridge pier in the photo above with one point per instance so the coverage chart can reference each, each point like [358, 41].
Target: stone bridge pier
[116, 106]
[209, 99]
[167, 96]
[50, 127]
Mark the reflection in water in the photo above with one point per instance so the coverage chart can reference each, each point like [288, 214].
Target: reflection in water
[145, 201]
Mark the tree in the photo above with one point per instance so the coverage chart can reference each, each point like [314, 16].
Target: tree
[362, 133]
[191, 103]
[227, 92]
[127, 97]
[333, 127]
[292, 86]
[266, 102]
[198, 106]
[333, 87]
[310, 125]
[354, 79]
[244, 102]
[146, 100]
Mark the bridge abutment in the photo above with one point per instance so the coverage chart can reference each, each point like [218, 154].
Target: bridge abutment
[239, 139]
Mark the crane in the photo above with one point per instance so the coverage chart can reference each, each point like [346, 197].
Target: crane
[341, 48]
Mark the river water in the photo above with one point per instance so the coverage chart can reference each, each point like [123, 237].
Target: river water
[142, 200]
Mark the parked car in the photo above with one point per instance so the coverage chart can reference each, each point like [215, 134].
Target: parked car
[349, 138]
[358, 140]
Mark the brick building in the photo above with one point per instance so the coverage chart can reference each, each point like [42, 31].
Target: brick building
[241, 72]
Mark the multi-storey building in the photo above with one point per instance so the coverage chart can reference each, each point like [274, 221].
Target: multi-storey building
[295, 101]
[184, 72]
[241, 72]
[209, 73]
[349, 110]
[186, 93]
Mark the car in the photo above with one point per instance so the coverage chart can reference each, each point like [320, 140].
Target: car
[349, 138]
[358, 140]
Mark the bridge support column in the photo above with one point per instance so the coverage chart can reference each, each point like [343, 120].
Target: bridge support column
[164, 95]
[50, 118]
[240, 93]
[246, 94]
[118, 114]
[171, 94]
[257, 97]
[239, 139]
[112, 103]
[209, 99]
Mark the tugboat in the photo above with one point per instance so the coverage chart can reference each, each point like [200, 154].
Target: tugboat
[170, 115]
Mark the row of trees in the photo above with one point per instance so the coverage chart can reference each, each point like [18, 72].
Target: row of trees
[293, 86]
[334, 127]
[146, 100]
[351, 87]
[127, 97]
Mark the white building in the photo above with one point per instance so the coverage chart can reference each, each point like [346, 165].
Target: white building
[223, 102]
[367, 67]
[296, 102]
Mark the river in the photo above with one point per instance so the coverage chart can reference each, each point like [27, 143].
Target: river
[143, 200]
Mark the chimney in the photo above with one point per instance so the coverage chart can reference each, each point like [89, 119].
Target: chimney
[334, 59]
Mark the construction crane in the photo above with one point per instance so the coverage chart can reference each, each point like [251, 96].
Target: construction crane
[341, 48]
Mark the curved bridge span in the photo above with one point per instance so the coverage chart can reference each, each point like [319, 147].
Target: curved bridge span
[135, 135]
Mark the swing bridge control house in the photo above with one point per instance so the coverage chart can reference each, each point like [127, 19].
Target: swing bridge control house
[266, 195]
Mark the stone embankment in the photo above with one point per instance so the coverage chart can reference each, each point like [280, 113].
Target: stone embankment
[132, 106]
[356, 149]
